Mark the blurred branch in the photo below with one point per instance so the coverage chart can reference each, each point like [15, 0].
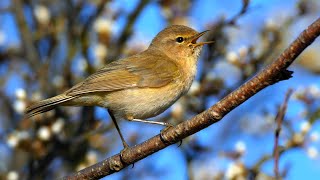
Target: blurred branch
[25, 33]
[275, 72]
[85, 42]
[127, 30]
[243, 10]
[28, 44]
[10, 54]
[7, 107]
[73, 34]
[91, 19]
[279, 120]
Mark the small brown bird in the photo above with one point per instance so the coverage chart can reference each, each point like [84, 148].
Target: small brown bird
[141, 86]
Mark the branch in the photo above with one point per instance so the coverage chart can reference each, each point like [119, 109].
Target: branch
[127, 30]
[85, 42]
[244, 9]
[28, 44]
[279, 119]
[273, 73]
[25, 33]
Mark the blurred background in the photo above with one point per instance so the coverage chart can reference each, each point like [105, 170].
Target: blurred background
[46, 46]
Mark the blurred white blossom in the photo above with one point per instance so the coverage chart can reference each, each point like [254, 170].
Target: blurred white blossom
[36, 96]
[309, 59]
[100, 51]
[234, 170]
[15, 137]
[240, 147]
[13, 140]
[57, 126]
[312, 152]
[92, 157]
[42, 14]
[58, 80]
[12, 175]
[82, 64]
[305, 126]
[20, 94]
[232, 57]
[271, 24]
[314, 136]
[177, 110]
[314, 90]
[243, 51]
[19, 106]
[44, 133]
[195, 88]
[103, 25]
[206, 170]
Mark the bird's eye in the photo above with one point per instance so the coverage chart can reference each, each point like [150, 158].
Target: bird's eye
[179, 39]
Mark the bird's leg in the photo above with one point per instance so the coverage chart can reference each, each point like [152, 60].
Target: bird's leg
[151, 122]
[125, 144]
[168, 126]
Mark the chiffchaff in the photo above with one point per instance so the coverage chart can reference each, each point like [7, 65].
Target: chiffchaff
[141, 86]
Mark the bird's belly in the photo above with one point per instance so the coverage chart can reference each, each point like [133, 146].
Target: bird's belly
[142, 103]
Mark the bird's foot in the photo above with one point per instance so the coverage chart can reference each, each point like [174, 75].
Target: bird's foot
[123, 152]
[164, 138]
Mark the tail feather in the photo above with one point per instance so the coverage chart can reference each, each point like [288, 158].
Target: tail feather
[46, 105]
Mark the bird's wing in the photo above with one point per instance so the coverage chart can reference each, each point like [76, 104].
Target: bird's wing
[137, 71]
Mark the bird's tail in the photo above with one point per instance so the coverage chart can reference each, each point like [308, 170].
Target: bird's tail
[46, 105]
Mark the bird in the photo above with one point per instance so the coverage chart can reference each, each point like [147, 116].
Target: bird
[141, 86]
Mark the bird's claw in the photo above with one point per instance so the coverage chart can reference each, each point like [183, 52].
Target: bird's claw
[162, 137]
[122, 153]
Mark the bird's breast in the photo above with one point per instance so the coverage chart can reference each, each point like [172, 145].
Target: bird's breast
[143, 103]
[187, 73]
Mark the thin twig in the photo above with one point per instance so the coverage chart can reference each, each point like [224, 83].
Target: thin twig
[279, 120]
[243, 10]
[28, 44]
[127, 30]
[273, 73]
[85, 31]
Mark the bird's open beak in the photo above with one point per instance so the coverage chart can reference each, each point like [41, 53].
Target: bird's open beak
[197, 36]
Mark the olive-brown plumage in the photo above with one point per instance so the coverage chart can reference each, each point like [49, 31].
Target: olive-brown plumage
[140, 86]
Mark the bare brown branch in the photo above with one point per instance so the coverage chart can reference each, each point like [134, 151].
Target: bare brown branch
[279, 120]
